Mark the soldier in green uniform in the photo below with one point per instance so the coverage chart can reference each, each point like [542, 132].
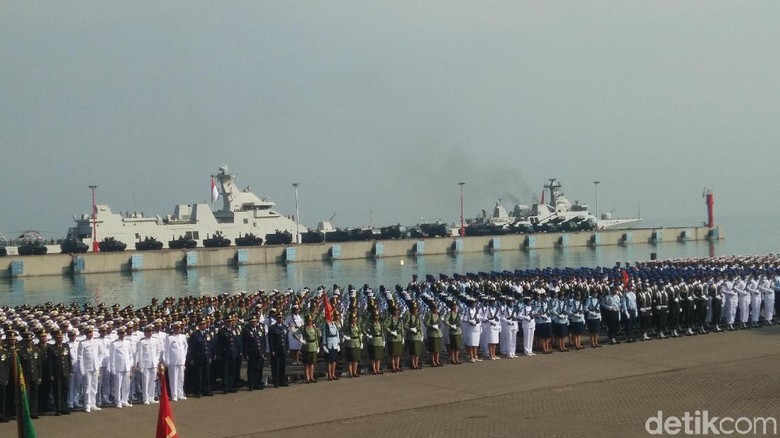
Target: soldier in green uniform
[376, 342]
[413, 330]
[433, 326]
[30, 358]
[395, 337]
[310, 346]
[44, 388]
[352, 344]
[6, 355]
[456, 333]
[60, 369]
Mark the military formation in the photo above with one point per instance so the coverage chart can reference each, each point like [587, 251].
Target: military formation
[85, 357]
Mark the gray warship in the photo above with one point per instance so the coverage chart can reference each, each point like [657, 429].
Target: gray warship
[242, 214]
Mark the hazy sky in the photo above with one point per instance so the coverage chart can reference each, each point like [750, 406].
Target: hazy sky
[380, 108]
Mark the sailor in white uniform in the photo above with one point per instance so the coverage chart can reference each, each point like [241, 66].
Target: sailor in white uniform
[492, 319]
[472, 329]
[730, 301]
[528, 318]
[509, 319]
[755, 300]
[91, 352]
[740, 287]
[120, 364]
[147, 355]
[768, 293]
[175, 357]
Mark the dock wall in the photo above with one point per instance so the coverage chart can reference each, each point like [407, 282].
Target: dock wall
[90, 263]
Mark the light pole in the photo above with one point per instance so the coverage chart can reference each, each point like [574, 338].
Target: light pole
[95, 246]
[596, 183]
[462, 227]
[297, 225]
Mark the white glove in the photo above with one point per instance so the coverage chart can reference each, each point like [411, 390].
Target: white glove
[414, 330]
[347, 338]
[369, 337]
[325, 350]
[394, 333]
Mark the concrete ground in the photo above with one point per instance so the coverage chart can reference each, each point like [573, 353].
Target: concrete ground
[610, 391]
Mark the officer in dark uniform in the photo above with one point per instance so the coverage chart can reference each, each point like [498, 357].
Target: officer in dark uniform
[253, 338]
[30, 358]
[645, 305]
[60, 368]
[660, 311]
[674, 310]
[277, 346]
[716, 303]
[229, 351]
[199, 354]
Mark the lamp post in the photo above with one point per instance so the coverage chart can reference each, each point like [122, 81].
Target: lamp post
[297, 225]
[596, 183]
[462, 227]
[95, 246]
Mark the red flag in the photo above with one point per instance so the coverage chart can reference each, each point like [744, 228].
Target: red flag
[165, 426]
[625, 278]
[542, 197]
[328, 309]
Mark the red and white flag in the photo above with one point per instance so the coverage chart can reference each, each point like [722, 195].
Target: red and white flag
[165, 426]
[214, 191]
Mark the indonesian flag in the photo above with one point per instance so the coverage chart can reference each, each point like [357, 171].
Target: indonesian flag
[328, 308]
[214, 191]
[165, 426]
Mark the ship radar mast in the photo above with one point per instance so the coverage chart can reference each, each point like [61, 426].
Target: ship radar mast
[234, 199]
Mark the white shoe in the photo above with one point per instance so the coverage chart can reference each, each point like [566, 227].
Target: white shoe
[174, 399]
[119, 406]
[183, 398]
[127, 405]
[146, 402]
[155, 401]
[97, 408]
[86, 410]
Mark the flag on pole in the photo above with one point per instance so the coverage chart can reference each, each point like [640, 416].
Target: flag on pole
[625, 278]
[165, 426]
[328, 308]
[25, 428]
[542, 197]
[214, 191]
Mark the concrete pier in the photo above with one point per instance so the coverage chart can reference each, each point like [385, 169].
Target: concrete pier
[91, 263]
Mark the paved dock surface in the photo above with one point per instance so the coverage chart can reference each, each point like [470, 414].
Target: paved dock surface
[609, 391]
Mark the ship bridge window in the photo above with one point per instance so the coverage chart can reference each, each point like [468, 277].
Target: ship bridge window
[137, 236]
[246, 221]
[192, 235]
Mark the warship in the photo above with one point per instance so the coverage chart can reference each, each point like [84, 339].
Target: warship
[560, 215]
[242, 213]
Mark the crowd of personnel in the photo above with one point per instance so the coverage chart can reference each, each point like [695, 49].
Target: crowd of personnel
[86, 357]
